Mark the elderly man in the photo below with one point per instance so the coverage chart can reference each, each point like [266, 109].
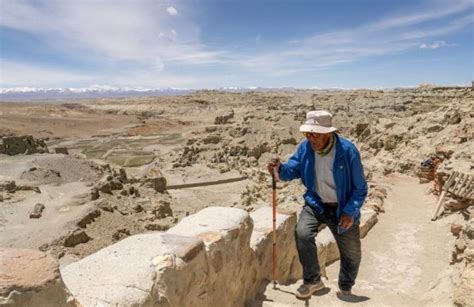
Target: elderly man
[331, 170]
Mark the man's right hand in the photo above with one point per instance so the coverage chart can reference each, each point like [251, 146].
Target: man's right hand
[274, 164]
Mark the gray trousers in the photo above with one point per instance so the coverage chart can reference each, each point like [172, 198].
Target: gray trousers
[347, 242]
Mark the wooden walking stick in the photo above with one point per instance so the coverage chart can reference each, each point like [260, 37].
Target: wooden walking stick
[275, 178]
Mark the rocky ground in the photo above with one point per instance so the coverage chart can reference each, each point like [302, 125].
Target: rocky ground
[212, 148]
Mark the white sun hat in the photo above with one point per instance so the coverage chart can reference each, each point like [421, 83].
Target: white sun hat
[318, 122]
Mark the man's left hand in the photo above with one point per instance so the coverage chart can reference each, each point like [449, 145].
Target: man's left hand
[346, 221]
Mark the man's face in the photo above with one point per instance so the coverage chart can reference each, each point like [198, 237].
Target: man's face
[318, 140]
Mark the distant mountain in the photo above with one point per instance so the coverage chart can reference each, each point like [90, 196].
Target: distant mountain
[29, 93]
[100, 91]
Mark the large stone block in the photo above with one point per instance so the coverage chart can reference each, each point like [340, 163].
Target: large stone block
[223, 280]
[125, 274]
[30, 278]
[288, 267]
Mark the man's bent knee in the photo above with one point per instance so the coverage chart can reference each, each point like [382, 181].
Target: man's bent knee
[304, 234]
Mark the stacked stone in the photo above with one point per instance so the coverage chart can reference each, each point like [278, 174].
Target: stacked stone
[27, 145]
[115, 180]
[425, 173]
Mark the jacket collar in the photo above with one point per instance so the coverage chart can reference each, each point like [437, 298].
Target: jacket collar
[339, 150]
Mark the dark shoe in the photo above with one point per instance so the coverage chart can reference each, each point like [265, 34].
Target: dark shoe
[307, 289]
[344, 294]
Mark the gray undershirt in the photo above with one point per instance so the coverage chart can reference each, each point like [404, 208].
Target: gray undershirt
[325, 185]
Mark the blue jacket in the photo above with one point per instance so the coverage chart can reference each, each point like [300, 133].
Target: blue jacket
[351, 186]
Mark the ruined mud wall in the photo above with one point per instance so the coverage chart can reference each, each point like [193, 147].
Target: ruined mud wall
[27, 145]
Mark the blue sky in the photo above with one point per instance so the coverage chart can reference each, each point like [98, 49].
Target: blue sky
[223, 43]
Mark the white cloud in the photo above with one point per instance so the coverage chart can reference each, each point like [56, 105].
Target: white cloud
[172, 11]
[135, 42]
[391, 35]
[434, 45]
[435, 12]
[118, 30]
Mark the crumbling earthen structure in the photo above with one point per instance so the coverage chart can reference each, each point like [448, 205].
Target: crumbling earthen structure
[13, 145]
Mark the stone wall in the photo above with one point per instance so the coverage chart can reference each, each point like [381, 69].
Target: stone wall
[217, 257]
[13, 145]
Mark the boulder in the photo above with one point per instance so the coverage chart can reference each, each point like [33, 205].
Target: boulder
[158, 183]
[61, 150]
[211, 139]
[115, 184]
[94, 194]
[104, 186]
[123, 175]
[9, 186]
[88, 218]
[163, 209]
[37, 211]
[30, 278]
[434, 128]
[469, 231]
[224, 118]
[75, 238]
[456, 229]
[452, 117]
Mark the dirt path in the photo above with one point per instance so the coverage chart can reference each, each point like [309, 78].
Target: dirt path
[405, 258]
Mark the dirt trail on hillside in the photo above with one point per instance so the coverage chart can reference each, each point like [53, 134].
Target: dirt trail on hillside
[405, 257]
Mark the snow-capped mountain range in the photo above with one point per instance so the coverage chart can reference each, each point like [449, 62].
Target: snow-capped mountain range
[30, 93]
[104, 91]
